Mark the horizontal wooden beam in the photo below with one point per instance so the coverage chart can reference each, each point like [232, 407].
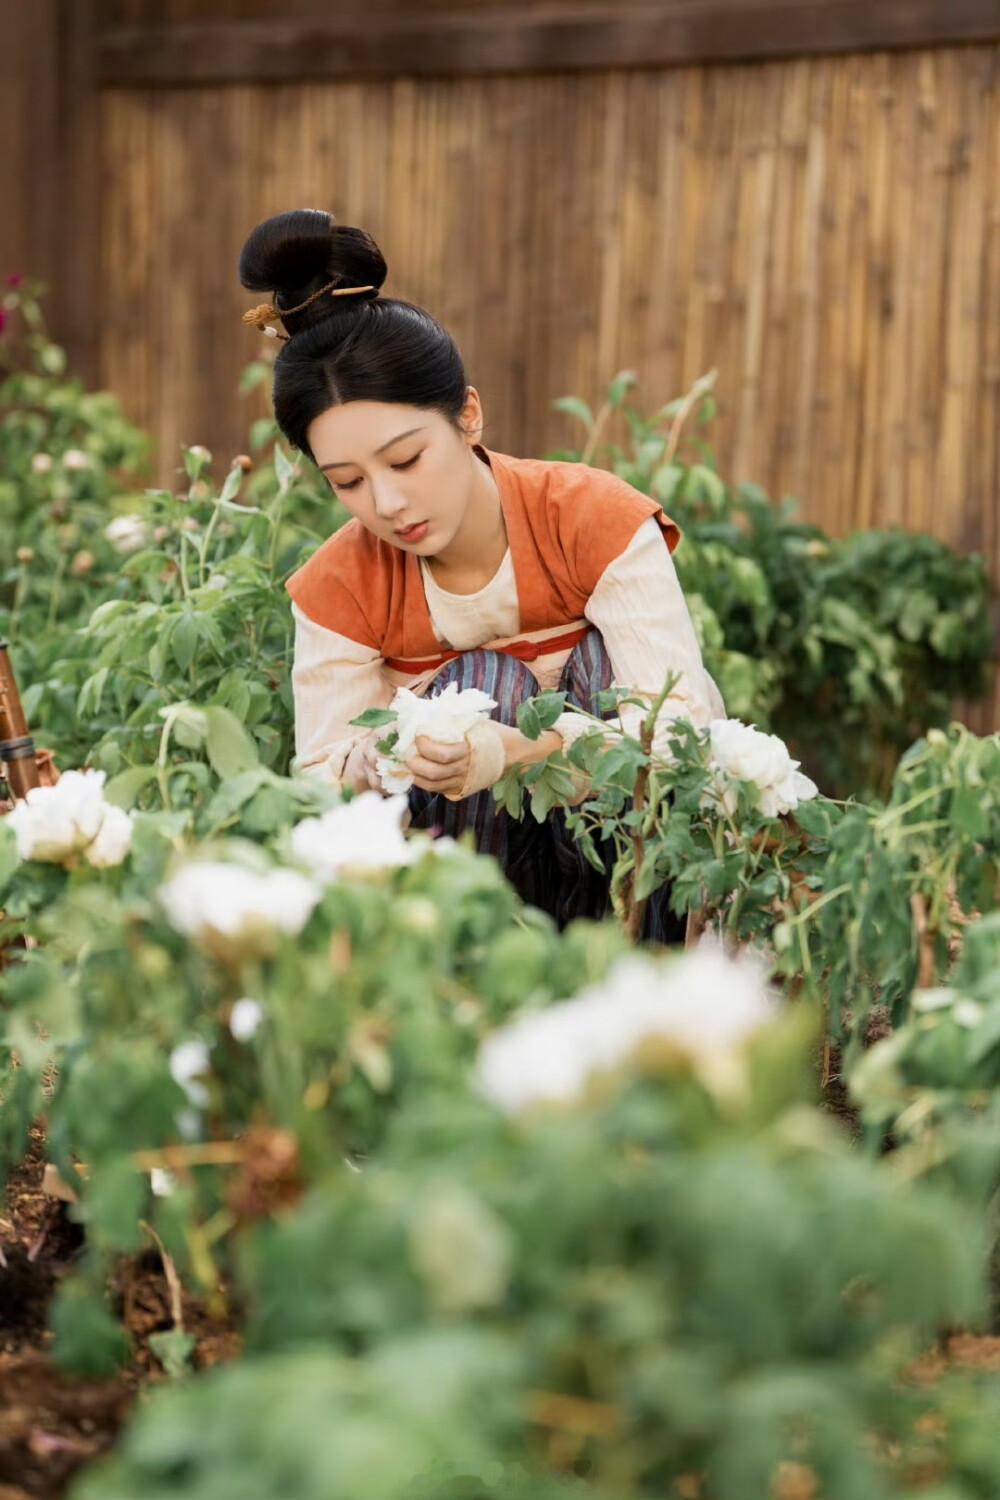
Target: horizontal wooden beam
[521, 38]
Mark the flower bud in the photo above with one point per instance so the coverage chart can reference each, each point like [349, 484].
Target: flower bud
[82, 564]
[25, 554]
[245, 462]
[42, 463]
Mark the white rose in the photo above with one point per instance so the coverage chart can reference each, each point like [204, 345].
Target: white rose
[42, 463]
[363, 834]
[233, 911]
[745, 753]
[447, 716]
[245, 1017]
[127, 533]
[738, 752]
[704, 1005]
[75, 458]
[54, 823]
[188, 1062]
[114, 838]
[162, 1182]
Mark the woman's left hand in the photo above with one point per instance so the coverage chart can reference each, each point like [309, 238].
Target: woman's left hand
[438, 767]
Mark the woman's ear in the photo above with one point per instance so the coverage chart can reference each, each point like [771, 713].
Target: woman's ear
[472, 416]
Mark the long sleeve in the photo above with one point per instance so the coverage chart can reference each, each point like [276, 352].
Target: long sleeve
[638, 605]
[334, 679]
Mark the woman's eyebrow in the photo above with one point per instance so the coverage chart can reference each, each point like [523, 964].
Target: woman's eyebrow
[346, 462]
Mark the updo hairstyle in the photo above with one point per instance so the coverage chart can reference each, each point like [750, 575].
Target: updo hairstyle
[340, 349]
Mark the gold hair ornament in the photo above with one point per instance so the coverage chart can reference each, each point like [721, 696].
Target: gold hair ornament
[260, 314]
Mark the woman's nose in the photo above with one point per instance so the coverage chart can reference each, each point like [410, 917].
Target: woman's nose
[389, 503]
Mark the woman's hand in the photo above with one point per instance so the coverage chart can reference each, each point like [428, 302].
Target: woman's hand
[360, 771]
[438, 767]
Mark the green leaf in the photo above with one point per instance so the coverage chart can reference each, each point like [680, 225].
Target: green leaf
[174, 1348]
[9, 857]
[123, 789]
[620, 386]
[113, 1205]
[184, 640]
[573, 406]
[88, 1340]
[232, 485]
[230, 748]
[283, 468]
[528, 721]
[374, 718]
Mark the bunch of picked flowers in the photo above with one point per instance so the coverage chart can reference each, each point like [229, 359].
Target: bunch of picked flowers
[449, 717]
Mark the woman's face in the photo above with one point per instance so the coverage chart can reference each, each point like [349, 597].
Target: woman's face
[404, 472]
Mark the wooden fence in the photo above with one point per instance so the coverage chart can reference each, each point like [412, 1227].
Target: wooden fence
[823, 229]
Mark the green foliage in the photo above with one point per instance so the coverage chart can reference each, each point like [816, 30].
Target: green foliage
[848, 648]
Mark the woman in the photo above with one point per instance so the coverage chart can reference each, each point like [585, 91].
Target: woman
[460, 564]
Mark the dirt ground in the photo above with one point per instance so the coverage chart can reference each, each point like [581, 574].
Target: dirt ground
[50, 1423]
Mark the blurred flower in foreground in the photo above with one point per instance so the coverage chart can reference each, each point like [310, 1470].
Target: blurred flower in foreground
[360, 835]
[700, 1007]
[235, 912]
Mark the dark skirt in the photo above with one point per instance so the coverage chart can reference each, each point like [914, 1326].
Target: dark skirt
[542, 861]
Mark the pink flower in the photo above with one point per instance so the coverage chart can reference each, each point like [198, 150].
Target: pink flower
[15, 278]
[3, 320]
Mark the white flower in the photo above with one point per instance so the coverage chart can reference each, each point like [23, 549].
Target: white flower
[739, 752]
[234, 911]
[703, 1005]
[445, 716]
[114, 838]
[57, 823]
[216, 581]
[245, 1017]
[363, 834]
[42, 463]
[933, 998]
[127, 533]
[161, 1181]
[75, 458]
[188, 1062]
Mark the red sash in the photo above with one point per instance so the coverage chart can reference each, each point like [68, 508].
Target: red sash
[523, 650]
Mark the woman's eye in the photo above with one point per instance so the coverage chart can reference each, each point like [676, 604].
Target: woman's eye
[355, 482]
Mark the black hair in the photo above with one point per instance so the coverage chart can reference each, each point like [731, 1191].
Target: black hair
[359, 348]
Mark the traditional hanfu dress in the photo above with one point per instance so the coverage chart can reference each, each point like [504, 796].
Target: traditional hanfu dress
[586, 597]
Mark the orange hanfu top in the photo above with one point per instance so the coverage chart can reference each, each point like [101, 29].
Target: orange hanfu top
[565, 523]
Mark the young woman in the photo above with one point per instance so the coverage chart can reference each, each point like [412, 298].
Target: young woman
[460, 564]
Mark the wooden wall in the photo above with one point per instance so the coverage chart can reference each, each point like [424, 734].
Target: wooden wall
[822, 229]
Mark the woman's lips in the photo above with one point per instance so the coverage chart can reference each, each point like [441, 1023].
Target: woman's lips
[414, 533]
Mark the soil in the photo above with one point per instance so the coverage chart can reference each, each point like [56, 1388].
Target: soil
[51, 1423]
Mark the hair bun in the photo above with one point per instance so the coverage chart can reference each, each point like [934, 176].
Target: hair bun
[293, 254]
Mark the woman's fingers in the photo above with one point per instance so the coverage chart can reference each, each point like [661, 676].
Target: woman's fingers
[434, 774]
[436, 750]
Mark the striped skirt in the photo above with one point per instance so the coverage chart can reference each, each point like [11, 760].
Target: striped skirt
[542, 861]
